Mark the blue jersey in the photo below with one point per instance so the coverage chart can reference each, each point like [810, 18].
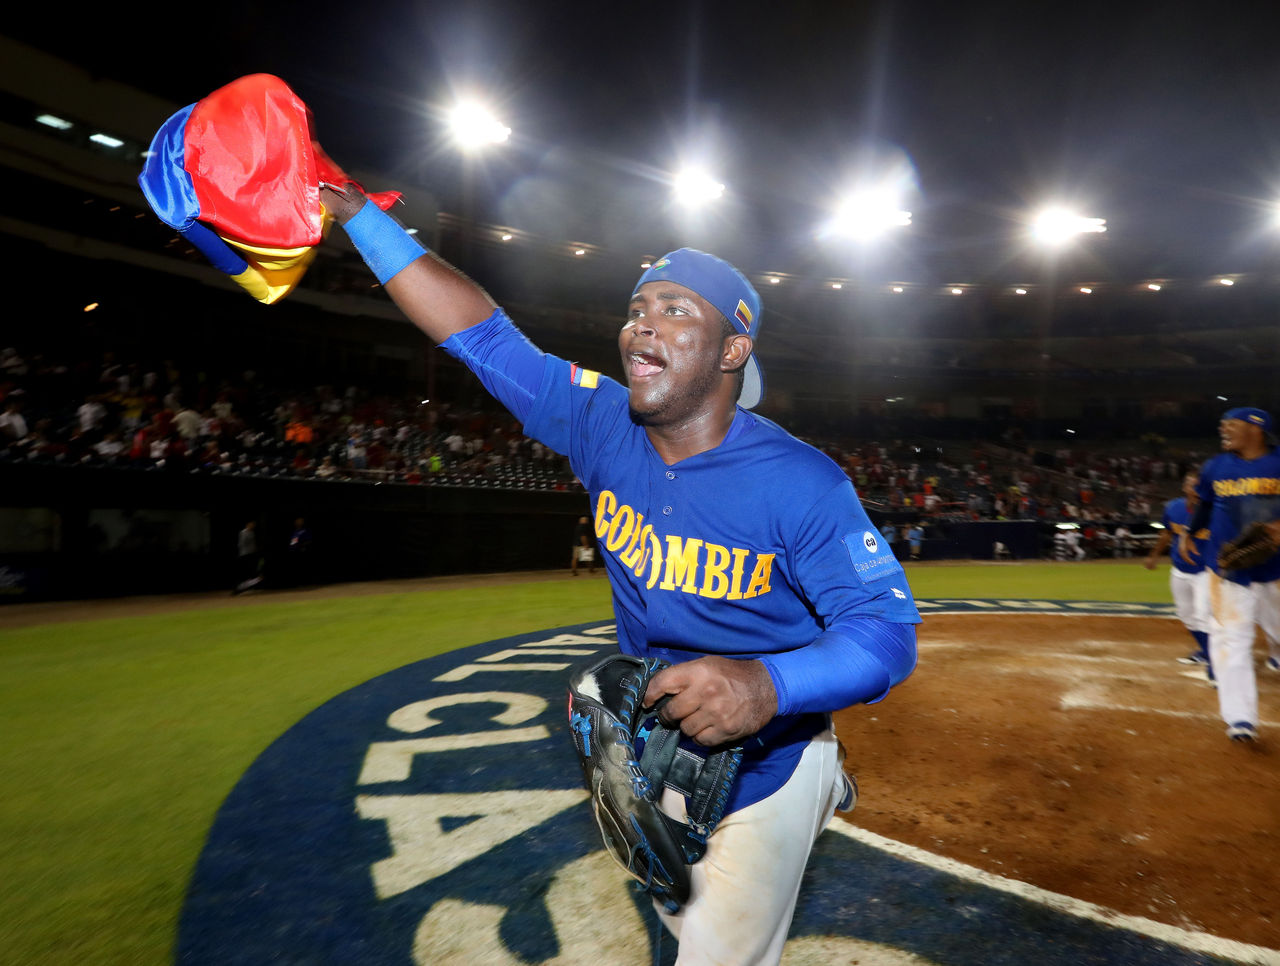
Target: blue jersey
[1175, 519]
[1241, 492]
[752, 549]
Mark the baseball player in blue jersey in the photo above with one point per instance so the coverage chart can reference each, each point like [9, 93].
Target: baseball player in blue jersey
[1188, 582]
[734, 551]
[1238, 487]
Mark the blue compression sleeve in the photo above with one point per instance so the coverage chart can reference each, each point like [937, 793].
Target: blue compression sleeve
[383, 244]
[509, 365]
[853, 662]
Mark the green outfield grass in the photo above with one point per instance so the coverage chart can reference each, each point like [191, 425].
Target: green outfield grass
[121, 737]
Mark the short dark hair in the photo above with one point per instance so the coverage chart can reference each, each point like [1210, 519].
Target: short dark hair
[727, 330]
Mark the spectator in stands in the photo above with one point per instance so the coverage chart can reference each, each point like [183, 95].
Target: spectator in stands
[13, 426]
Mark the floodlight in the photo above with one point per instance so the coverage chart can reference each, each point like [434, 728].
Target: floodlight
[1153, 286]
[774, 280]
[53, 121]
[506, 236]
[898, 290]
[1054, 226]
[1019, 291]
[868, 213]
[1085, 290]
[837, 286]
[1227, 281]
[693, 186]
[957, 291]
[106, 140]
[474, 126]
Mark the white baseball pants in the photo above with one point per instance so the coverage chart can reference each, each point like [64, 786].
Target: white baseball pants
[1191, 598]
[1236, 609]
[744, 889]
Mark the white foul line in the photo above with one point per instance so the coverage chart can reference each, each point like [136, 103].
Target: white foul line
[1196, 941]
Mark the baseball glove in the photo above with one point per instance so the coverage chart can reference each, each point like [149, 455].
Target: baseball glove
[628, 757]
[1253, 547]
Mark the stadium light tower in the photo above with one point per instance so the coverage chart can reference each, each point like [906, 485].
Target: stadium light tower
[1057, 226]
[694, 187]
[869, 213]
[475, 127]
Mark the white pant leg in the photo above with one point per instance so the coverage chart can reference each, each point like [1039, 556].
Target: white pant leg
[1235, 612]
[1190, 598]
[744, 889]
[1269, 614]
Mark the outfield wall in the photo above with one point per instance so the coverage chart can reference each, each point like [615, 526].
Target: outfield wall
[68, 532]
[74, 532]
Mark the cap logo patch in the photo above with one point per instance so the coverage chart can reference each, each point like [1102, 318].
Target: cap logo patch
[743, 314]
[661, 263]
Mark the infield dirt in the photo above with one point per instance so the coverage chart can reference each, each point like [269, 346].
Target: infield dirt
[1077, 755]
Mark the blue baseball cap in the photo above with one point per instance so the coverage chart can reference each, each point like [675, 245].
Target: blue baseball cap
[1250, 414]
[728, 290]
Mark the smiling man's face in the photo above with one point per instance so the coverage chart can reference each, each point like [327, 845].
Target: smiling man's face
[672, 348]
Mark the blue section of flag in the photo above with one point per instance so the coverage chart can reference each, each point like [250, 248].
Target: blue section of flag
[164, 179]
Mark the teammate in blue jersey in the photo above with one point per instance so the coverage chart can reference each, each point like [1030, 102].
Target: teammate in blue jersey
[1188, 582]
[1238, 487]
[733, 550]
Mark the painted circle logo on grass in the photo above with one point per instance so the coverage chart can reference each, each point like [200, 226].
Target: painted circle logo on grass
[435, 815]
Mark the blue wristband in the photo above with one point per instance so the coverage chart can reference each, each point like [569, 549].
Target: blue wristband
[385, 247]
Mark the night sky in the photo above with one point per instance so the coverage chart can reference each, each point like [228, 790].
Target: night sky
[1163, 118]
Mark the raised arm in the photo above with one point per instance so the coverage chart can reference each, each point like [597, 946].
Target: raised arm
[434, 295]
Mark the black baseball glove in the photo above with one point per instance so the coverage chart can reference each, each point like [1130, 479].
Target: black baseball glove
[609, 729]
[1255, 545]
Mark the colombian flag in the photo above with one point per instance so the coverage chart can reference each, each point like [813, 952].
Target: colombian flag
[238, 175]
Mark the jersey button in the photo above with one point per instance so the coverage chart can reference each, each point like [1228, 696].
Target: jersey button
[670, 475]
[666, 511]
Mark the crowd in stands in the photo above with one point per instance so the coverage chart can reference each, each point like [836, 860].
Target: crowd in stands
[126, 413]
[131, 415]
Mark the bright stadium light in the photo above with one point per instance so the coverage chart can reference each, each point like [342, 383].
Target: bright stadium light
[869, 213]
[474, 126]
[1056, 226]
[695, 187]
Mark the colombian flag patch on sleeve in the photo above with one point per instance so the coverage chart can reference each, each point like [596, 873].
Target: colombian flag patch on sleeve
[583, 377]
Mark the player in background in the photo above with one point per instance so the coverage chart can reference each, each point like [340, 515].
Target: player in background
[733, 550]
[1188, 582]
[1238, 487]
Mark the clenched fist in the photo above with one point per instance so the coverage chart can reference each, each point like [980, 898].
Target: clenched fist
[715, 699]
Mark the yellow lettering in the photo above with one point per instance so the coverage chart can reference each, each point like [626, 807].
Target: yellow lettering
[760, 576]
[739, 559]
[636, 547]
[682, 564]
[620, 528]
[715, 582]
[656, 567]
[606, 503]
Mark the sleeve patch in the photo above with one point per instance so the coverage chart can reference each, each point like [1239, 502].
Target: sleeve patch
[871, 556]
[583, 377]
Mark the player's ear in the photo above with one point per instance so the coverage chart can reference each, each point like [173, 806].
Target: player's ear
[737, 350]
